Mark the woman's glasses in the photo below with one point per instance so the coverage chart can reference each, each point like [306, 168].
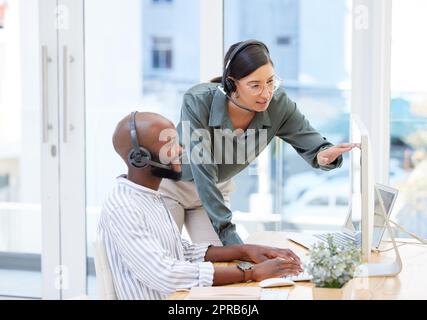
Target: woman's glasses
[272, 85]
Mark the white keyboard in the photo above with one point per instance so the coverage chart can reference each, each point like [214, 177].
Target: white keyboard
[303, 276]
[340, 238]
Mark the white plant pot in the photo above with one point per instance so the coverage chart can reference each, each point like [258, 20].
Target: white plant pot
[344, 293]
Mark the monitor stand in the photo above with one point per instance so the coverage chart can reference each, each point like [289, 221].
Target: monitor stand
[389, 269]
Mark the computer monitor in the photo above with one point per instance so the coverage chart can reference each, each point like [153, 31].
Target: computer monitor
[362, 185]
[364, 193]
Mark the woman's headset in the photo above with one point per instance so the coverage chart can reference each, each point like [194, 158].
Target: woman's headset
[140, 157]
[228, 84]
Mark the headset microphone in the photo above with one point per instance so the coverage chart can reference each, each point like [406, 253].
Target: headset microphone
[234, 100]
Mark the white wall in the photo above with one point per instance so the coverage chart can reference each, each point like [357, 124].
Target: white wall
[409, 63]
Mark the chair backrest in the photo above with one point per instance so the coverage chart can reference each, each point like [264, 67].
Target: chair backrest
[104, 277]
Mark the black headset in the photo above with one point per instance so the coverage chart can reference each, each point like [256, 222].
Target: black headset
[138, 156]
[228, 84]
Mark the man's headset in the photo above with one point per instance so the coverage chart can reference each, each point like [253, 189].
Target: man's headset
[227, 84]
[138, 156]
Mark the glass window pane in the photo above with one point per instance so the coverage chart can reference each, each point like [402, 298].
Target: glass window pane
[143, 61]
[342, 201]
[323, 201]
[310, 45]
[20, 209]
[408, 154]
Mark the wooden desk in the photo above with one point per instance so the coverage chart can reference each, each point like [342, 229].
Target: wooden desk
[410, 284]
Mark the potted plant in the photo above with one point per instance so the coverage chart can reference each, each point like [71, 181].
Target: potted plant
[332, 266]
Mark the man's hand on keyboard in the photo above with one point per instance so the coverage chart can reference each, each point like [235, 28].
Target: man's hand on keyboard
[257, 254]
[274, 268]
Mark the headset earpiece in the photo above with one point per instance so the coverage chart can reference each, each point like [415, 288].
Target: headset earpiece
[139, 159]
[230, 86]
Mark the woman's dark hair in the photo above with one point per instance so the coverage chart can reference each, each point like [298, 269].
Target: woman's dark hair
[246, 61]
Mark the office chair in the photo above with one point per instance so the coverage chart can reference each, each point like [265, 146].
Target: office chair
[104, 278]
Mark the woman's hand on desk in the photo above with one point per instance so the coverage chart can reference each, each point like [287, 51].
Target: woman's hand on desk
[331, 154]
[257, 254]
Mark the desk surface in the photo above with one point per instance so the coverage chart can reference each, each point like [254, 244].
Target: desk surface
[411, 283]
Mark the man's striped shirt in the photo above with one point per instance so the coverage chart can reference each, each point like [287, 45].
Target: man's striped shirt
[147, 256]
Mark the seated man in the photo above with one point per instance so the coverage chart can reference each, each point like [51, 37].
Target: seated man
[147, 256]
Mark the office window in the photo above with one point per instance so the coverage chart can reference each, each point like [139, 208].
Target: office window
[408, 120]
[3, 7]
[2, 73]
[283, 41]
[322, 201]
[310, 45]
[4, 187]
[125, 71]
[342, 201]
[20, 156]
[162, 53]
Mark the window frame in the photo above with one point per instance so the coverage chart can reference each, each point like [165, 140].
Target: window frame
[371, 77]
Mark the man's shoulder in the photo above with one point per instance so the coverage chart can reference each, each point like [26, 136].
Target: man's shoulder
[125, 198]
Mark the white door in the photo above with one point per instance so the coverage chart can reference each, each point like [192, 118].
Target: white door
[51, 259]
[63, 200]
[71, 141]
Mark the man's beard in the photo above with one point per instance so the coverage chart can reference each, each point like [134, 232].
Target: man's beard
[166, 173]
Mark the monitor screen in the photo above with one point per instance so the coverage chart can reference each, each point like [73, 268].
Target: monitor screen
[388, 196]
[388, 200]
